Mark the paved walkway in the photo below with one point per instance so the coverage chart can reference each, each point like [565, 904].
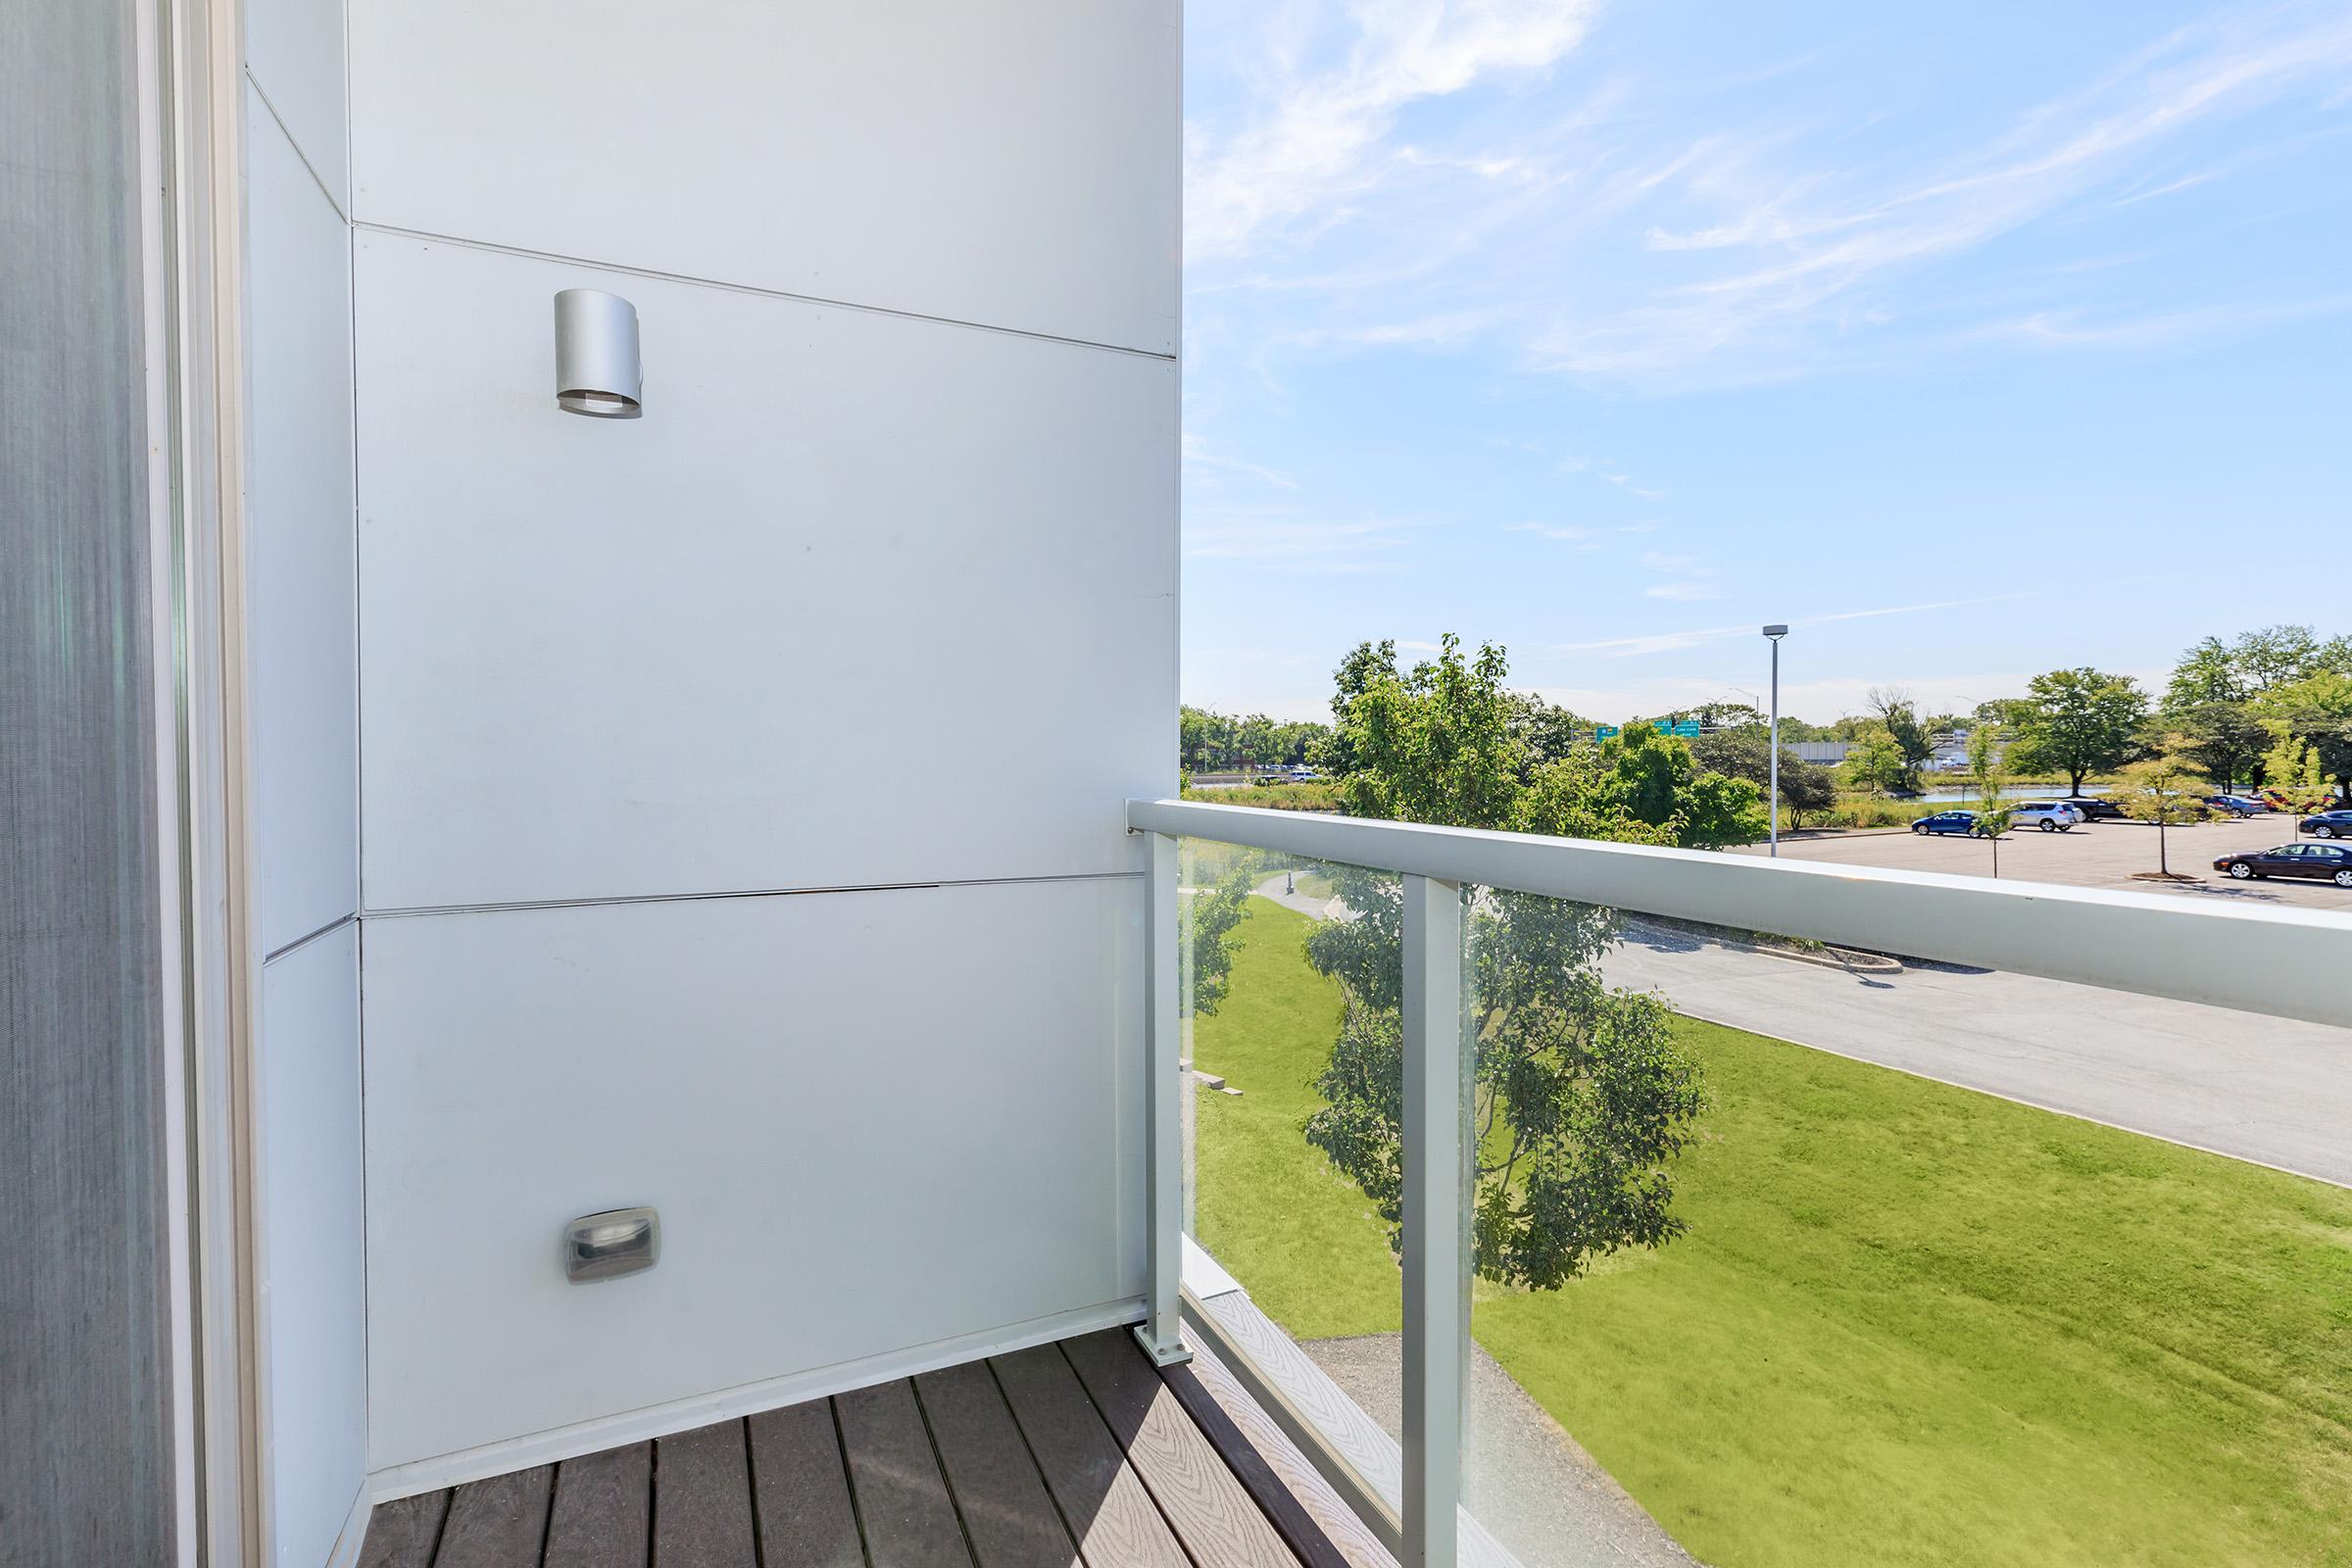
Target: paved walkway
[2262, 1089]
[1313, 909]
[1523, 1476]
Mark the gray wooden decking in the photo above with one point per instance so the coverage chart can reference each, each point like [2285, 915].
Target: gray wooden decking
[1080, 1454]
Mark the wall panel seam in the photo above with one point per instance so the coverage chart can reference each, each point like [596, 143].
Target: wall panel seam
[524, 904]
[309, 937]
[622, 269]
[295, 143]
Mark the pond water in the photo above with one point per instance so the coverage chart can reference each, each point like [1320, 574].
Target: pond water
[1959, 795]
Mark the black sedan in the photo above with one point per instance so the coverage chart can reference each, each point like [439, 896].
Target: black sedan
[2328, 826]
[1951, 822]
[2326, 863]
[2094, 808]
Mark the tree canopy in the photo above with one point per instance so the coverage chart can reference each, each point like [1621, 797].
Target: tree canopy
[1912, 735]
[2164, 787]
[2226, 699]
[1445, 742]
[1580, 1096]
[2317, 711]
[1219, 743]
[2077, 722]
[1873, 763]
[1747, 752]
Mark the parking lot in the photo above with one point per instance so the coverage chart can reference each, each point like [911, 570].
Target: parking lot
[2098, 855]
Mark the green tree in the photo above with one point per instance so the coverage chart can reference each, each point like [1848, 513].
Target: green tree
[2163, 787]
[1582, 1097]
[2206, 673]
[1365, 663]
[2277, 656]
[1651, 778]
[1875, 764]
[1899, 716]
[1548, 732]
[1210, 917]
[2254, 662]
[2225, 739]
[2318, 712]
[1431, 745]
[2292, 768]
[1747, 752]
[2008, 713]
[1989, 777]
[2078, 722]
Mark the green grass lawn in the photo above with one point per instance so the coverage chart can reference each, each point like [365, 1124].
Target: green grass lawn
[1909, 1324]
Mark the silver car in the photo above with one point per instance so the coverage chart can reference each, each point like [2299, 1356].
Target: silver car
[2051, 816]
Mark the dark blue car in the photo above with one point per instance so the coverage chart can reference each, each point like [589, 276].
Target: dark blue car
[1961, 822]
[2327, 825]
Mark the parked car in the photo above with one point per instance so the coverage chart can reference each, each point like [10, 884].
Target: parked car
[1302, 774]
[2237, 805]
[2327, 825]
[2051, 816]
[2275, 801]
[2326, 863]
[1963, 822]
[2094, 808]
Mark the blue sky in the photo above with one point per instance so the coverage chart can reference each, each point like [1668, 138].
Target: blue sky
[1972, 340]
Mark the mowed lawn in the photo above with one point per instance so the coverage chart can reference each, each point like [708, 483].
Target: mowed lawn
[1909, 1324]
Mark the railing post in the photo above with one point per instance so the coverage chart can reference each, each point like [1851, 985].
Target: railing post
[1163, 1106]
[1437, 1220]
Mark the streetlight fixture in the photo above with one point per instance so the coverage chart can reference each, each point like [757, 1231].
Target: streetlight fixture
[1772, 800]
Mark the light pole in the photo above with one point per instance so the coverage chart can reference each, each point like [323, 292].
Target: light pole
[1772, 800]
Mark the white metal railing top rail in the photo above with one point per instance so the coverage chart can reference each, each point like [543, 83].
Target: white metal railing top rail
[2284, 962]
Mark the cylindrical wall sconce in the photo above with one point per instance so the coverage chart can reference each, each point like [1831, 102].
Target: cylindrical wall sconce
[597, 370]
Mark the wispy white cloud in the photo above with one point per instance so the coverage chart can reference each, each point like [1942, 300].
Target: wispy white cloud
[1306, 146]
[1584, 536]
[1274, 539]
[1668, 642]
[1804, 253]
[2165, 330]
[1591, 232]
[1202, 466]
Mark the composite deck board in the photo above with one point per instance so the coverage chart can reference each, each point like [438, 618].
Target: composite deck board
[800, 1492]
[1007, 1516]
[1313, 1519]
[604, 1504]
[403, 1532]
[1073, 1455]
[498, 1523]
[1214, 1517]
[1109, 1513]
[703, 1499]
[902, 1502]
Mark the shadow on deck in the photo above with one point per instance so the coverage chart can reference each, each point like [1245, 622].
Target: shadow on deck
[1080, 1454]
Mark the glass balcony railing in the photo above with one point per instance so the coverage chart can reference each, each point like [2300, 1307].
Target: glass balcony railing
[1581, 1203]
[1293, 1163]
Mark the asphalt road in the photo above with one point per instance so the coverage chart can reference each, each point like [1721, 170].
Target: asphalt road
[2260, 1089]
[2100, 854]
